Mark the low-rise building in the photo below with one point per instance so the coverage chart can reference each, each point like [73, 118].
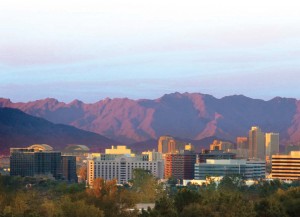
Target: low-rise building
[214, 154]
[244, 168]
[40, 160]
[286, 167]
[121, 168]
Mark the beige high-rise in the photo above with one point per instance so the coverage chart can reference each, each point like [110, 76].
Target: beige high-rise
[166, 144]
[272, 144]
[257, 149]
[242, 147]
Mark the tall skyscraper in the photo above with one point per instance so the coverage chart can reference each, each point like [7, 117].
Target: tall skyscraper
[272, 144]
[166, 144]
[257, 149]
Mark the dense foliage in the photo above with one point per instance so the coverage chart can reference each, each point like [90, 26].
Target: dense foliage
[36, 197]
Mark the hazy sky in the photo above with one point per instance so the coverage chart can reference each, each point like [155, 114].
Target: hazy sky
[92, 49]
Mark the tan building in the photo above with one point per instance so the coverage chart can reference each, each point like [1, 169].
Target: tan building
[221, 146]
[257, 148]
[286, 167]
[120, 149]
[189, 147]
[166, 144]
[272, 145]
[153, 155]
[242, 147]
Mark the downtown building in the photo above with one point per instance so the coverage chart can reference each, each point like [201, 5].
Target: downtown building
[214, 154]
[272, 145]
[241, 167]
[242, 147]
[166, 144]
[286, 167]
[120, 163]
[257, 147]
[121, 168]
[40, 160]
[180, 165]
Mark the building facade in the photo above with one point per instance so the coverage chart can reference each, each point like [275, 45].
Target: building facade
[166, 144]
[207, 154]
[286, 167]
[121, 168]
[221, 146]
[22, 162]
[246, 169]
[242, 147]
[257, 149]
[272, 145]
[69, 168]
[180, 166]
[39, 162]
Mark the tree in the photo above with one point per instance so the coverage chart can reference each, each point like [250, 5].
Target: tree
[82, 172]
[231, 183]
[184, 198]
[49, 209]
[78, 208]
[146, 185]
[269, 208]
[164, 207]
[197, 210]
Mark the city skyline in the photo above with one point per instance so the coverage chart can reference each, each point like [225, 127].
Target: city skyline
[96, 49]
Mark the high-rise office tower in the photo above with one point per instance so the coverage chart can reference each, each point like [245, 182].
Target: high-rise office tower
[257, 149]
[166, 144]
[272, 144]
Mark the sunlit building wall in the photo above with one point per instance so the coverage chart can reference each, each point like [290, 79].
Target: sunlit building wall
[272, 145]
[121, 168]
[257, 149]
[166, 144]
[286, 167]
[242, 147]
[245, 169]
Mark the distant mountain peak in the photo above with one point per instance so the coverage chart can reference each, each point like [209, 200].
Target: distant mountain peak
[185, 115]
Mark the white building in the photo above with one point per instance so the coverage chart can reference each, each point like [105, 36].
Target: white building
[121, 168]
[244, 168]
[153, 155]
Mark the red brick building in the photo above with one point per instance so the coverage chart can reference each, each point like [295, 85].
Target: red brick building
[180, 166]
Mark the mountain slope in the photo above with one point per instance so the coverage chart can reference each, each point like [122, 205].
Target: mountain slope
[18, 129]
[189, 115]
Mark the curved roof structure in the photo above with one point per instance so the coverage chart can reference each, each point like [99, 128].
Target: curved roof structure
[41, 147]
[76, 148]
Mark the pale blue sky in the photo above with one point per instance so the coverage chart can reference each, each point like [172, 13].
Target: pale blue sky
[95, 49]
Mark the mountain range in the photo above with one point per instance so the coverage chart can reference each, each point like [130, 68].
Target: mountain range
[191, 116]
[18, 129]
